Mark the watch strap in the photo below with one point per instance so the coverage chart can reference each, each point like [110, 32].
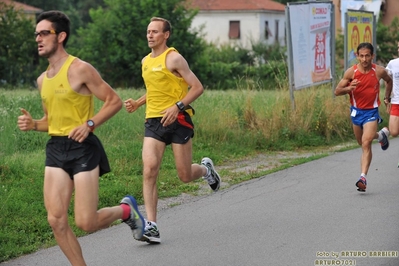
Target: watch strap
[90, 123]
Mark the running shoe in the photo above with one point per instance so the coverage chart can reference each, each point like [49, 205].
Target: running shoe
[384, 142]
[213, 178]
[151, 233]
[361, 184]
[136, 220]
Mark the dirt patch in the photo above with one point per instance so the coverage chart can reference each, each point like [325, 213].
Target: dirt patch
[263, 162]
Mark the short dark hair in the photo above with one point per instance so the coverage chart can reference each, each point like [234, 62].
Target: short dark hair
[166, 24]
[60, 21]
[366, 45]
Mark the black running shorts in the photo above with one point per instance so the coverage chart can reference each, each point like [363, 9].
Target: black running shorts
[74, 157]
[179, 132]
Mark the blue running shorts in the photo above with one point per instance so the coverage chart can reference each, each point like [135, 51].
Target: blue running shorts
[362, 116]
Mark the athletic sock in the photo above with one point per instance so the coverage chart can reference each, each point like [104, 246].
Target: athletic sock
[363, 175]
[379, 136]
[208, 172]
[126, 211]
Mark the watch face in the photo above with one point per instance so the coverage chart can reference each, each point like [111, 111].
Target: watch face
[180, 105]
[90, 123]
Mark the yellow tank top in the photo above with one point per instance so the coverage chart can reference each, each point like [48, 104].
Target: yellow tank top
[164, 89]
[66, 109]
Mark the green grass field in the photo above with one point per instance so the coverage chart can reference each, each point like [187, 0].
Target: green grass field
[229, 125]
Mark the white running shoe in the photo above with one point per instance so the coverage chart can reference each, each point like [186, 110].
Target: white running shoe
[213, 178]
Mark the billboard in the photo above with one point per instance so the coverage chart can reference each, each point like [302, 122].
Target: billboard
[360, 27]
[310, 43]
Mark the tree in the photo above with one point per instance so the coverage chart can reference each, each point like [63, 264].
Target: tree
[77, 11]
[46, 5]
[115, 42]
[387, 41]
[18, 52]
[83, 8]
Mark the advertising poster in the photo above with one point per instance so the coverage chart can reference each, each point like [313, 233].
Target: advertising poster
[311, 43]
[359, 29]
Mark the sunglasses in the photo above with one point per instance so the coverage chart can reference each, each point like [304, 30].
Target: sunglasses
[44, 33]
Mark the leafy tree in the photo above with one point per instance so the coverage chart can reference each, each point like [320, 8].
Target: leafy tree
[115, 42]
[83, 8]
[77, 11]
[18, 52]
[47, 5]
[387, 41]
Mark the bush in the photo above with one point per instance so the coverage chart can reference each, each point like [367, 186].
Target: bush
[18, 52]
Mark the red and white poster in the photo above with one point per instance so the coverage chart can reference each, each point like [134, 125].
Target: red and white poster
[310, 43]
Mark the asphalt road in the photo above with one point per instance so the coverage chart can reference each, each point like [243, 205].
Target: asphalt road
[309, 214]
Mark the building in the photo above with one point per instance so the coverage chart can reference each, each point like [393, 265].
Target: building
[240, 22]
[29, 11]
[390, 9]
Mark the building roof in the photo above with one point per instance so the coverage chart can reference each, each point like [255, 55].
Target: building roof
[21, 6]
[237, 5]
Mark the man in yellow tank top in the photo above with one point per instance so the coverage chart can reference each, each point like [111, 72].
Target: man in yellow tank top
[75, 157]
[167, 78]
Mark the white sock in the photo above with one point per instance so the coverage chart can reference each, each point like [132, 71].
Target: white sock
[363, 174]
[379, 136]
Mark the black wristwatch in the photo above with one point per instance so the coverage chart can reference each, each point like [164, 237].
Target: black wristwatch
[388, 98]
[90, 124]
[180, 105]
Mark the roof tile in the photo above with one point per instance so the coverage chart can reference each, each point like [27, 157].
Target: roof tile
[21, 6]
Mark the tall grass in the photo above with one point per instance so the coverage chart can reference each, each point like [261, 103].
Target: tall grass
[229, 125]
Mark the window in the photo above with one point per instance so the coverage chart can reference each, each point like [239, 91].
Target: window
[276, 31]
[268, 32]
[234, 31]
